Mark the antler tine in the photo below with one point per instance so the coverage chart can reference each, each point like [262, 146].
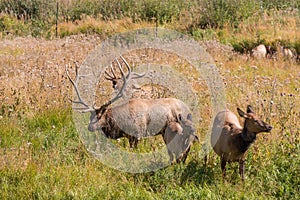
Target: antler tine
[136, 75]
[112, 71]
[79, 101]
[76, 72]
[127, 65]
[111, 77]
[121, 70]
[125, 80]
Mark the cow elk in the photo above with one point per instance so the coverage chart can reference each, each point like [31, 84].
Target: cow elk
[234, 140]
[136, 118]
[179, 136]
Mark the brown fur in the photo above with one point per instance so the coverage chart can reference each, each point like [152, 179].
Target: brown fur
[234, 140]
[179, 137]
[138, 118]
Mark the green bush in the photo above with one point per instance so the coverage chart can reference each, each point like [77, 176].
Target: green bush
[28, 9]
[163, 11]
[297, 47]
[10, 25]
[245, 46]
[218, 13]
[279, 4]
[40, 15]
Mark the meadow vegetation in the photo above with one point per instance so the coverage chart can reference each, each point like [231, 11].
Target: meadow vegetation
[41, 153]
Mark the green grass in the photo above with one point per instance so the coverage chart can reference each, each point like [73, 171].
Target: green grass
[45, 159]
[42, 156]
[38, 18]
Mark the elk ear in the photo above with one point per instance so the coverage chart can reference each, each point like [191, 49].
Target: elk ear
[250, 109]
[241, 113]
[179, 118]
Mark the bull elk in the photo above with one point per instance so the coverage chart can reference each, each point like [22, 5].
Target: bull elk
[135, 119]
[234, 140]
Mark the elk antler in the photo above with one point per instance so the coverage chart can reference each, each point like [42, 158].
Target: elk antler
[125, 81]
[86, 108]
[101, 109]
[110, 77]
[114, 79]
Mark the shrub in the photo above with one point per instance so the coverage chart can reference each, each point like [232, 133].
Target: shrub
[245, 46]
[41, 14]
[28, 9]
[218, 13]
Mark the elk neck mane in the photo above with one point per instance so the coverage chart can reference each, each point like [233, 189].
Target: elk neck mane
[245, 140]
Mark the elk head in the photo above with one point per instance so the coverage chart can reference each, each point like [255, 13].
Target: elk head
[253, 124]
[97, 118]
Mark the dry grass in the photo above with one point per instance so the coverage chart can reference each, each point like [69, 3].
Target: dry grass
[90, 25]
[32, 72]
[271, 26]
[33, 81]
[33, 76]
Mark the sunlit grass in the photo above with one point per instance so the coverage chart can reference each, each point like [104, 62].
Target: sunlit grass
[42, 156]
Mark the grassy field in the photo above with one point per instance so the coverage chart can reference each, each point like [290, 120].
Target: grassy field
[42, 156]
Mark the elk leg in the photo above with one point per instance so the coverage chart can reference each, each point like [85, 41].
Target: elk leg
[205, 160]
[242, 168]
[171, 155]
[185, 154]
[223, 167]
[133, 142]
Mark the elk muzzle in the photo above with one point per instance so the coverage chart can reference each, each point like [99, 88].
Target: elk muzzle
[269, 128]
[93, 125]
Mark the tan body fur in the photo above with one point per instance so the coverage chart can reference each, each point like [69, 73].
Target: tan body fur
[233, 141]
[179, 137]
[140, 118]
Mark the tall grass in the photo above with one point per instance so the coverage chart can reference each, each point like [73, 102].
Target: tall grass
[38, 17]
[46, 160]
[41, 153]
[42, 156]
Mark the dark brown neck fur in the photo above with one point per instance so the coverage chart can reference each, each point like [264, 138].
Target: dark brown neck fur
[245, 140]
[110, 128]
